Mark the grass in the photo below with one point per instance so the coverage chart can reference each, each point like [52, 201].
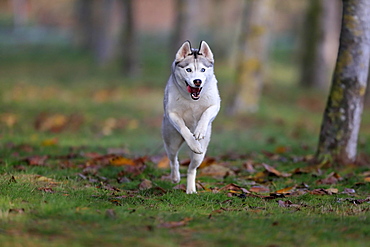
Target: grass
[58, 105]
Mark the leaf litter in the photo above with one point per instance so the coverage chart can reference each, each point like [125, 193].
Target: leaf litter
[236, 167]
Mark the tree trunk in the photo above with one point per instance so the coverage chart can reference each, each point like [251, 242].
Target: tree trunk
[251, 61]
[342, 116]
[104, 40]
[321, 23]
[130, 53]
[184, 24]
[85, 26]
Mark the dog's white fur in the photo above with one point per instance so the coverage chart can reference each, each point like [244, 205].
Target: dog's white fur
[189, 110]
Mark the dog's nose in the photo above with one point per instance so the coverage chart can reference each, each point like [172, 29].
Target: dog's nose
[197, 82]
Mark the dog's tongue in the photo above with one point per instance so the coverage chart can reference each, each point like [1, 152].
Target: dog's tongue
[194, 90]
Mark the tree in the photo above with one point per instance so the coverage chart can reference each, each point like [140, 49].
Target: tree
[252, 56]
[184, 23]
[129, 52]
[342, 116]
[85, 26]
[104, 40]
[320, 32]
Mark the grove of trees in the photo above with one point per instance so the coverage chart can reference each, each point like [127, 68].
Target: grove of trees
[109, 29]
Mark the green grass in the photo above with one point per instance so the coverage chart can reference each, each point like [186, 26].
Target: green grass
[57, 103]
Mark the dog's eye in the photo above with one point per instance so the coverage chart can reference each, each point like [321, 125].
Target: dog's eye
[203, 70]
[188, 70]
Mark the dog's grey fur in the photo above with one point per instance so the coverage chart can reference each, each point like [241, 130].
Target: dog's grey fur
[191, 102]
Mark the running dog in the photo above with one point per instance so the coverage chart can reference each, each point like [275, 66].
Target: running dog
[191, 103]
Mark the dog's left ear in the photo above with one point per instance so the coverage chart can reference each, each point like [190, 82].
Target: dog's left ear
[204, 50]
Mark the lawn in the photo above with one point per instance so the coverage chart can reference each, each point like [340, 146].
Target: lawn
[82, 163]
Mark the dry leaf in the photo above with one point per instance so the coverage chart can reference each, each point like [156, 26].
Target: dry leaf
[17, 210]
[286, 190]
[164, 163]
[36, 160]
[174, 224]
[275, 172]
[121, 161]
[259, 189]
[217, 171]
[145, 184]
[207, 162]
[332, 178]
[46, 189]
[288, 204]
[234, 188]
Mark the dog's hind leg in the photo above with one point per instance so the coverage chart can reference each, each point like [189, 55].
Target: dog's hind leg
[172, 144]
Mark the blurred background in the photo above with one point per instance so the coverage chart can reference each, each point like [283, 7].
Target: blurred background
[92, 72]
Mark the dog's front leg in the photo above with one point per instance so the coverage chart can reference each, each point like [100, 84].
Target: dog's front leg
[205, 120]
[180, 126]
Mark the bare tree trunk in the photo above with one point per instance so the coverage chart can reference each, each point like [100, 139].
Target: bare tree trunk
[85, 25]
[252, 56]
[184, 23]
[342, 116]
[130, 53]
[321, 23]
[103, 35]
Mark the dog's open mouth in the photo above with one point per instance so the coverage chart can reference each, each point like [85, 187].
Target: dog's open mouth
[194, 91]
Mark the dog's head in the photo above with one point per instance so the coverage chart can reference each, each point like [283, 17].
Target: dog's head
[193, 67]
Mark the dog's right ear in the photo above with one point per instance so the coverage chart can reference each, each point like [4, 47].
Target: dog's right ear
[184, 51]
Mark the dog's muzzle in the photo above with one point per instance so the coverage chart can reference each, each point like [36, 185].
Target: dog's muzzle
[194, 91]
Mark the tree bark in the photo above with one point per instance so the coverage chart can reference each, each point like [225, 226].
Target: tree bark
[251, 60]
[104, 40]
[85, 25]
[184, 23]
[130, 53]
[321, 23]
[342, 116]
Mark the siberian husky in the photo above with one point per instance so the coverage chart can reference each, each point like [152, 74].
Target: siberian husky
[191, 102]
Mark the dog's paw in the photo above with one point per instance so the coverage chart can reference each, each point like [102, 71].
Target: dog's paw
[196, 147]
[191, 191]
[200, 133]
[175, 177]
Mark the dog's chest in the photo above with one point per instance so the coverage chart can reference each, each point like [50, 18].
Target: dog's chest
[190, 113]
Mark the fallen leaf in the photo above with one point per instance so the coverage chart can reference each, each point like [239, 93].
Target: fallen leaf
[121, 161]
[332, 178]
[288, 204]
[234, 188]
[36, 160]
[275, 172]
[207, 161]
[164, 163]
[360, 201]
[17, 210]
[49, 142]
[348, 191]
[46, 189]
[259, 189]
[281, 149]
[145, 184]
[180, 187]
[217, 171]
[286, 190]
[174, 224]
[248, 165]
[329, 191]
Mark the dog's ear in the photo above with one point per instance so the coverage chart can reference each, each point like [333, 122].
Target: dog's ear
[204, 50]
[184, 51]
